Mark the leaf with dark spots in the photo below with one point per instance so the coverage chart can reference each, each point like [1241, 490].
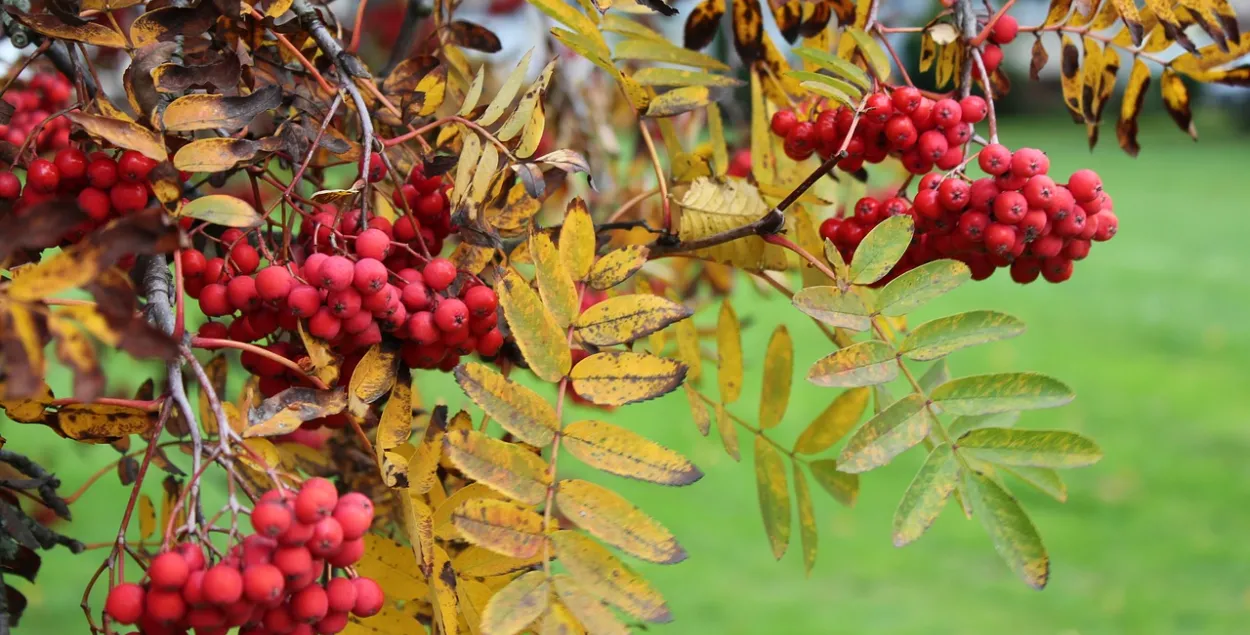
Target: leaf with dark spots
[42, 225]
[285, 411]
[660, 7]
[209, 112]
[474, 36]
[702, 24]
[127, 470]
[167, 23]
[817, 21]
[404, 78]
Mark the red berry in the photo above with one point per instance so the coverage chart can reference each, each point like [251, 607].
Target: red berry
[263, 583]
[95, 204]
[992, 57]
[1040, 192]
[801, 141]
[879, 107]
[377, 168]
[382, 302]
[324, 324]
[1076, 249]
[947, 112]
[415, 296]
[222, 585]
[278, 619]
[125, 603]
[214, 300]
[1025, 270]
[995, 159]
[430, 206]
[421, 328]
[316, 502]
[303, 300]
[972, 226]
[999, 239]
[271, 519]
[1010, 207]
[343, 304]
[72, 163]
[907, 99]
[354, 512]
[298, 534]
[214, 330]
[341, 594]
[373, 243]
[327, 537]
[10, 185]
[932, 145]
[43, 176]
[481, 301]
[1073, 224]
[974, 109]
[1005, 30]
[489, 343]
[439, 273]
[783, 122]
[128, 197]
[357, 323]
[951, 159]
[369, 274]
[193, 554]
[242, 293]
[958, 134]
[369, 597]
[451, 315]
[1107, 226]
[244, 258]
[953, 194]
[927, 205]
[134, 167]
[335, 273]
[102, 173]
[273, 283]
[164, 607]
[1033, 224]
[901, 132]
[1027, 162]
[981, 193]
[1056, 269]
[310, 604]
[1085, 185]
[206, 619]
[293, 561]
[168, 571]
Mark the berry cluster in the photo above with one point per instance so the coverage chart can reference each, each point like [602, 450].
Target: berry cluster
[33, 102]
[281, 579]
[107, 186]
[1017, 217]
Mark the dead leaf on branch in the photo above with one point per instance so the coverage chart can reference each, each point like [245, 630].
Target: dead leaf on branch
[99, 422]
[285, 411]
[210, 112]
[709, 208]
[474, 36]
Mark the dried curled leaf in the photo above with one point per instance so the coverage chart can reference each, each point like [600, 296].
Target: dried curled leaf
[285, 411]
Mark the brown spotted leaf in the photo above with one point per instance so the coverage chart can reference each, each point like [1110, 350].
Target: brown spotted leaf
[619, 451]
[98, 421]
[518, 409]
[626, 318]
[617, 266]
[502, 526]
[542, 342]
[210, 112]
[703, 23]
[507, 468]
[619, 378]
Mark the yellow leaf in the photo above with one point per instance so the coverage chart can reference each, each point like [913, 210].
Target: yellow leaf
[710, 207]
[646, 49]
[221, 209]
[29, 409]
[391, 565]
[487, 165]
[216, 154]
[555, 284]
[1131, 105]
[71, 268]
[373, 377]
[625, 318]
[778, 373]
[542, 342]
[1070, 75]
[616, 266]
[529, 102]
[147, 517]
[774, 493]
[124, 134]
[1176, 101]
[577, 240]
[532, 133]
[518, 409]
[597, 618]
[210, 112]
[77, 352]
[842, 486]
[619, 378]
[558, 620]
[325, 361]
[688, 347]
[728, 433]
[516, 605]
[472, 597]
[444, 583]
[604, 575]
[508, 468]
[88, 33]
[729, 354]
[433, 90]
[763, 157]
[470, 155]
[443, 527]
[476, 562]
[507, 91]
[607, 516]
[807, 519]
[97, 421]
[395, 425]
[666, 76]
[502, 526]
[678, 101]
[834, 422]
[698, 410]
[625, 453]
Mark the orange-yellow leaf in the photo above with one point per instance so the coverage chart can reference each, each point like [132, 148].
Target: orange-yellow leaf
[518, 409]
[216, 154]
[577, 240]
[508, 468]
[221, 209]
[73, 267]
[210, 112]
[555, 284]
[540, 338]
[778, 374]
[604, 575]
[373, 378]
[607, 516]
[625, 318]
[513, 607]
[395, 425]
[623, 452]
[443, 527]
[728, 433]
[698, 410]
[502, 526]
[619, 378]
[97, 421]
[834, 422]
[124, 134]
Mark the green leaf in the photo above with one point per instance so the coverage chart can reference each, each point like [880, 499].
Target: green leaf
[835, 64]
[897, 429]
[835, 258]
[938, 374]
[667, 76]
[1042, 479]
[807, 519]
[825, 90]
[778, 375]
[960, 425]
[860, 364]
[920, 285]
[843, 88]
[1001, 392]
[881, 398]
[774, 493]
[944, 336]
[872, 52]
[926, 496]
[881, 249]
[843, 487]
[1013, 534]
[833, 307]
[1030, 448]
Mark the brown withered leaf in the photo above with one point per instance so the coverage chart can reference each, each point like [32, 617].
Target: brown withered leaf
[209, 112]
[285, 411]
[1176, 101]
[789, 18]
[1130, 107]
[167, 23]
[404, 78]
[76, 350]
[43, 225]
[474, 36]
[659, 6]
[223, 74]
[1038, 59]
[703, 23]
[428, 94]
[97, 421]
[124, 134]
[87, 32]
[140, 89]
[817, 20]
[748, 27]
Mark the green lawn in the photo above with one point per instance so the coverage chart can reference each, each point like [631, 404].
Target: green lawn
[1152, 334]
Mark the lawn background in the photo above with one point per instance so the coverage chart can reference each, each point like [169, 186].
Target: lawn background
[1151, 332]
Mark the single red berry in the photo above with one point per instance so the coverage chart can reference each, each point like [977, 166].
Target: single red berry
[373, 243]
[1040, 192]
[324, 324]
[974, 109]
[481, 301]
[1076, 249]
[850, 234]
[310, 604]
[1010, 181]
[932, 145]
[263, 583]
[327, 538]
[206, 619]
[316, 501]
[369, 274]
[72, 163]
[951, 159]
[999, 238]
[972, 226]
[43, 176]
[193, 554]
[953, 194]
[377, 169]
[958, 134]
[1027, 162]
[273, 283]
[922, 116]
[947, 112]
[241, 290]
[829, 228]
[128, 197]
[1108, 224]
[421, 328]
[992, 57]
[343, 304]
[1033, 225]
[783, 122]
[489, 343]
[214, 300]
[866, 210]
[1010, 207]
[125, 603]
[439, 273]
[1047, 246]
[298, 534]
[1005, 30]
[271, 519]
[222, 585]
[927, 204]
[293, 561]
[415, 296]
[431, 206]
[10, 185]
[134, 167]
[102, 173]
[168, 571]
[354, 512]
[451, 315]
[981, 193]
[1025, 270]
[95, 204]
[303, 300]
[1073, 224]
[878, 108]
[801, 141]
[278, 619]
[916, 163]
[341, 594]
[335, 273]
[244, 258]
[214, 330]
[382, 301]
[1085, 185]
[164, 607]
[369, 597]
[901, 133]
[906, 99]
[1056, 269]
[995, 159]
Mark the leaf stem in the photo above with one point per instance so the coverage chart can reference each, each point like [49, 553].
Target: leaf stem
[659, 174]
[212, 343]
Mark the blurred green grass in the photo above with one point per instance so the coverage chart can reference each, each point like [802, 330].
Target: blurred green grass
[1152, 334]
